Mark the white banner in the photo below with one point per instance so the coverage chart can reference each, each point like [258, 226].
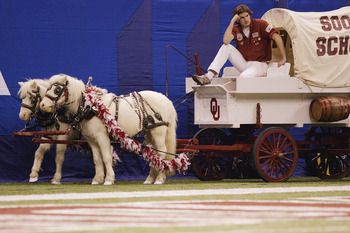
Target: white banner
[321, 44]
[3, 87]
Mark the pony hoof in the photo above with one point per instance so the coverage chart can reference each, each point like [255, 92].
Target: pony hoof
[55, 182]
[33, 179]
[108, 183]
[159, 182]
[94, 182]
[147, 182]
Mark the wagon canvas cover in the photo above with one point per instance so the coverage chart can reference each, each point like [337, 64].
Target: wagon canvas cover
[320, 42]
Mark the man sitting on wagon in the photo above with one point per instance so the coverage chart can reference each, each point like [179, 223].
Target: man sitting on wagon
[253, 41]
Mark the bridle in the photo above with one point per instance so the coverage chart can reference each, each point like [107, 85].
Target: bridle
[59, 90]
[41, 118]
[35, 98]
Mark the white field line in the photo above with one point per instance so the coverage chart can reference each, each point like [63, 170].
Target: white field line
[302, 229]
[169, 193]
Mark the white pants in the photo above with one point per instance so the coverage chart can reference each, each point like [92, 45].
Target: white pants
[247, 69]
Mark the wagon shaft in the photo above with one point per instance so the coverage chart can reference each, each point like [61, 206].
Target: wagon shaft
[40, 133]
[54, 141]
[227, 148]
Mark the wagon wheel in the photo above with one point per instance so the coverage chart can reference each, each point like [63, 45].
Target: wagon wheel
[210, 165]
[275, 154]
[325, 163]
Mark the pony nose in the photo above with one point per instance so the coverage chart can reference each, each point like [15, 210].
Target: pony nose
[46, 106]
[43, 106]
[24, 116]
[21, 115]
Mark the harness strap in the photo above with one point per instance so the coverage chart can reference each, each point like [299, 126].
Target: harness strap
[59, 89]
[31, 108]
[35, 98]
[116, 102]
[140, 105]
[155, 125]
[156, 114]
[83, 113]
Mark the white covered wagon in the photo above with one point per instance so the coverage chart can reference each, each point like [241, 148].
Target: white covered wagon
[254, 115]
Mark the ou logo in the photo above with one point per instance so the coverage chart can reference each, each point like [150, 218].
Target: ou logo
[215, 109]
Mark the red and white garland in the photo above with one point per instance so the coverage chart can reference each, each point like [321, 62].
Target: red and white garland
[93, 99]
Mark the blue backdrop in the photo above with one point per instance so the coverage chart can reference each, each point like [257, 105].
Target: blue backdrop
[123, 44]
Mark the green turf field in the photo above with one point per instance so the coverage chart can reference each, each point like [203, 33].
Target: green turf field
[171, 184]
[331, 212]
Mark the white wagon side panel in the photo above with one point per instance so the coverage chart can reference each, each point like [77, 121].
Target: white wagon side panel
[230, 102]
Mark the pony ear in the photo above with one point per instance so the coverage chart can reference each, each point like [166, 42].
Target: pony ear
[65, 79]
[20, 84]
[33, 85]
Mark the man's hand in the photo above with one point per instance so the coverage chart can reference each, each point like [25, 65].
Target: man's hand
[228, 36]
[282, 62]
[235, 19]
[279, 42]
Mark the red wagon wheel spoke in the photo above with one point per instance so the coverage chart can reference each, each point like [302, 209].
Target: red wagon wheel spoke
[265, 150]
[287, 145]
[264, 157]
[276, 140]
[267, 162]
[275, 154]
[283, 139]
[269, 145]
[283, 168]
[273, 170]
[286, 165]
[284, 143]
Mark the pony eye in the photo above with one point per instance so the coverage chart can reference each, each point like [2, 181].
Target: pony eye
[58, 90]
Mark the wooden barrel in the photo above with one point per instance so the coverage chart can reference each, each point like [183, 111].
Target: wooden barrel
[330, 108]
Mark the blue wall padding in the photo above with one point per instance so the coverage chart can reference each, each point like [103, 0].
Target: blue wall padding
[123, 46]
[134, 43]
[316, 5]
[205, 32]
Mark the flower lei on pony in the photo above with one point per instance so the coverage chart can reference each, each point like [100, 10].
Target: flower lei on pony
[93, 100]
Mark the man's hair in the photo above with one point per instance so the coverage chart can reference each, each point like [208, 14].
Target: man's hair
[241, 8]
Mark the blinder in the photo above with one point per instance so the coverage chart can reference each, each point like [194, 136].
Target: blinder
[58, 91]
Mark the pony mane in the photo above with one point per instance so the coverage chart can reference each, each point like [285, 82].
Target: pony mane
[26, 87]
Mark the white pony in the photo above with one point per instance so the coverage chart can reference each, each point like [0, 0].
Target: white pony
[67, 91]
[31, 93]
